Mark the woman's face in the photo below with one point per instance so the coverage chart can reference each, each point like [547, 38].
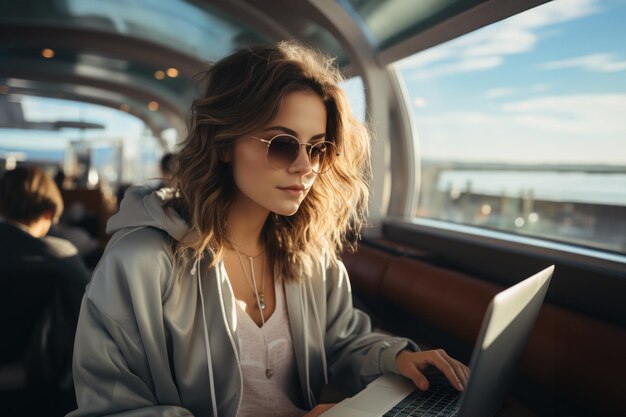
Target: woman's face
[302, 114]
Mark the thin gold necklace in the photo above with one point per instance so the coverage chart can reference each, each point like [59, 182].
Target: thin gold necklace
[260, 301]
[259, 294]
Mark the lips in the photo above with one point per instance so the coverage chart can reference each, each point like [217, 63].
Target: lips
[296, 190]
[295, 187]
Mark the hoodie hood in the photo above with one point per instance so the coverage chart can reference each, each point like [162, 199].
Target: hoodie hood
[144, 206]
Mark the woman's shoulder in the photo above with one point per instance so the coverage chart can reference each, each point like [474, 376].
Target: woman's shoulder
[331, 270]
[332, 263]
[138, 241]
[135, 258]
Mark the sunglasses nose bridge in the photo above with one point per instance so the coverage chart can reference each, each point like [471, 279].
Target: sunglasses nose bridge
[307, 148]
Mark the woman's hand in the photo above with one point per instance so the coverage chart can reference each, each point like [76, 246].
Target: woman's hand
[318, 409]
[412, 365]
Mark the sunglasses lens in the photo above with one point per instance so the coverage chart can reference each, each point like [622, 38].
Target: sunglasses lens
[283, 151]
[323, 156]
[320, 156]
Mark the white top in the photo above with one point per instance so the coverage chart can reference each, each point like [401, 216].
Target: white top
[278, 395]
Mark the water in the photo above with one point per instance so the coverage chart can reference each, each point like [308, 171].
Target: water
[576, 187]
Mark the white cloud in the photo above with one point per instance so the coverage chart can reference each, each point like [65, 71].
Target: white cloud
[506, 41]
[423, 59]
[500, 92]
[605, 62]
[462, 66]
[419, 102]
[557, 129]
[553, 12]
[590, 114]
[539, 87]
[487, 47]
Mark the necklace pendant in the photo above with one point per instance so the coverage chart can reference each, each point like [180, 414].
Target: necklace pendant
[268, 373]
[262, 301]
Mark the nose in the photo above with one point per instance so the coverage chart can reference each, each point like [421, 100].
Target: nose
[302, 164]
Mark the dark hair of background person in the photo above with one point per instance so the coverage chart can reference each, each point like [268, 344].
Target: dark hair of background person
[167, 163]
[26, 193]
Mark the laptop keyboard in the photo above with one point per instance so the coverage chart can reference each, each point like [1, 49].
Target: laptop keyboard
[438, 401]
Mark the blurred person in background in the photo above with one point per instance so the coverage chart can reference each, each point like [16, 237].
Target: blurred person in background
[66, 228]
[41, 286]
[166, 167]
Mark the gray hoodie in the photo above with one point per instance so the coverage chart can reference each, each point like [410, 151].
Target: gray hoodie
[149, 344]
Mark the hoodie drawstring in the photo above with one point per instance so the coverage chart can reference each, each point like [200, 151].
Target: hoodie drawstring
[319, 330]
[308, 289]
[206, 339]
[305, 312]
[194, 267]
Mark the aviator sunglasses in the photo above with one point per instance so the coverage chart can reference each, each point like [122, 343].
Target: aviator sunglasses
[283, 150]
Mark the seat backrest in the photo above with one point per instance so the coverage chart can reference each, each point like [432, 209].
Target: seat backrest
[38, 318]
[369, 265]
[24, 297]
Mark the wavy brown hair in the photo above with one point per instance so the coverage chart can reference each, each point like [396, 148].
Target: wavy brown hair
[243, 93]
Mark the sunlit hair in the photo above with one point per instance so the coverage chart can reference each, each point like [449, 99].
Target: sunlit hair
[27, 193]
[243, 93]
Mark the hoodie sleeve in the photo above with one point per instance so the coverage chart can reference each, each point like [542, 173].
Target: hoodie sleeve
[120, 355]
[356, 355]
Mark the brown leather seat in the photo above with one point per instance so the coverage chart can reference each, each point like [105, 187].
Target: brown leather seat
[575, 357]
[368, 266]
[579, 358]
[446, 299]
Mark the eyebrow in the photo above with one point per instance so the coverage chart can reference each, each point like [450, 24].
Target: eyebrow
[293, 132]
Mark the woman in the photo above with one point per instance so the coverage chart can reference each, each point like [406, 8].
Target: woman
[225, 296]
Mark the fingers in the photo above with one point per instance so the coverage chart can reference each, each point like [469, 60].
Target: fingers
[460, 370]
[415, 375]
[440, 359]
[412, 364]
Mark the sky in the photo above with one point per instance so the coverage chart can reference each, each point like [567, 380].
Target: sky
[547, 85]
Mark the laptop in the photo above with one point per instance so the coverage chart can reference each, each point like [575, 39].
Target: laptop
[505, 330]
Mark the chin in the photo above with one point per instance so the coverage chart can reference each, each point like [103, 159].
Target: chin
[287, 210]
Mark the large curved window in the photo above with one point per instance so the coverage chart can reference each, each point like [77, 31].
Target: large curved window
[84, 139]
[521, 125]
[355, 91]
